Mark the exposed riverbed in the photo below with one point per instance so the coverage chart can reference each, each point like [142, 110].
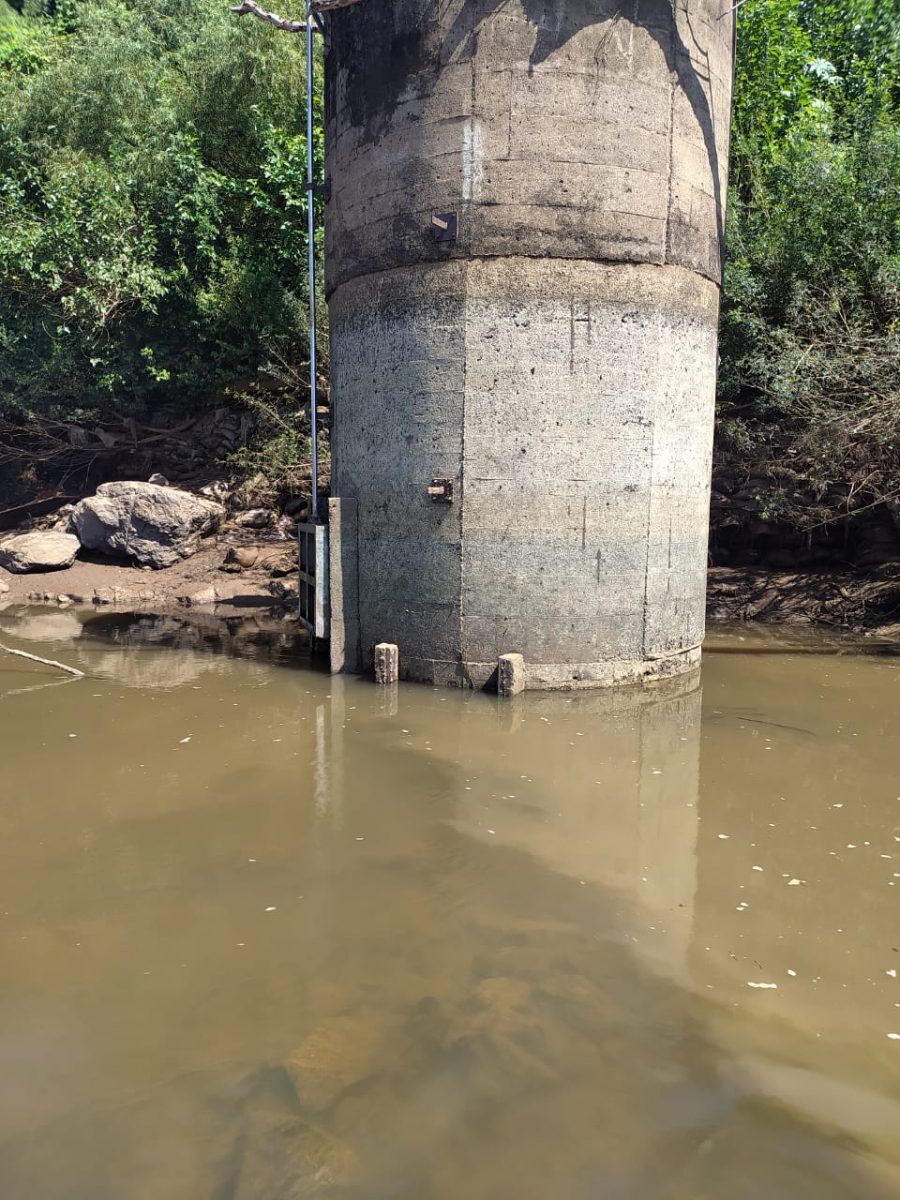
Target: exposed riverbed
[266, 934]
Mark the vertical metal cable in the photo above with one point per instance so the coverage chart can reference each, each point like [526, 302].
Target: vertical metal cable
[311, 260]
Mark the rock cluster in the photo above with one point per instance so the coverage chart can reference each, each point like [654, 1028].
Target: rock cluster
[153, 527]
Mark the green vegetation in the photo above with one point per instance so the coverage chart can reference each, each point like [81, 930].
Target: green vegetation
[152, 234]
[152, 208]
[809, 397]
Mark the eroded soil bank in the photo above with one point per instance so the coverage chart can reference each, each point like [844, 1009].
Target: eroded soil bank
[841, 600]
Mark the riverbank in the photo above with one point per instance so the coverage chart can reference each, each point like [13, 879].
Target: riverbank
[243, 573]
[842, 600]
[206, 578]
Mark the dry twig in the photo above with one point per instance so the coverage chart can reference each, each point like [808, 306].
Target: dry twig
[47, 662]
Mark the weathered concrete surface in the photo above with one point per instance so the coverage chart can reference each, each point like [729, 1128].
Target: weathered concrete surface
[387, 664]
[558, 360]
[510, 675]
[343, 568]
[580, 129]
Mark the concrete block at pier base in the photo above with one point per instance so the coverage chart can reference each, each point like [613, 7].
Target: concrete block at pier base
[387, 663]
[343, 572]
[510, 674]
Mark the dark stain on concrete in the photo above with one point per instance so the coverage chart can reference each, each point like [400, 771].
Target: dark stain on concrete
[392, 44]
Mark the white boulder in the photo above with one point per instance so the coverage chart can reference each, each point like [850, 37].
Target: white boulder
[153, 524]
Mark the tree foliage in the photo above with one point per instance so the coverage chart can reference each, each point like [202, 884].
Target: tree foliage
[152, 204]
[153, 234]
[810, 340]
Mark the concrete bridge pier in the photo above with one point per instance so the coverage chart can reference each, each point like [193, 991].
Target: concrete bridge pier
[524, 240]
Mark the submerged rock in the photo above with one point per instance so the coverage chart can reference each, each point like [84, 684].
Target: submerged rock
[43, 550]
[501, 1005]
[156, 525]
[338, 1054]
[283, 1158]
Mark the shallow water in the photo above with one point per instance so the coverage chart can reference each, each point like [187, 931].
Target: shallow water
[269, 935]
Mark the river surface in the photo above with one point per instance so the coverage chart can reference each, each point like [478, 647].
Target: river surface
[266, 935]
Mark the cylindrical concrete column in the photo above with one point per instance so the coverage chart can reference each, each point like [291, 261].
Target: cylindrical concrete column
[554, 360]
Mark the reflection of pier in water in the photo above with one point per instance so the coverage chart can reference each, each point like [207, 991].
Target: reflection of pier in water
[601, 788]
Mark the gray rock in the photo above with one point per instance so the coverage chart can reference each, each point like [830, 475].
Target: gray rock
[43, 550]
[255, 518]
[205, 595]
[284, 593]
[218, 490]
[156, 525]
[240, 558]
[282, 1158]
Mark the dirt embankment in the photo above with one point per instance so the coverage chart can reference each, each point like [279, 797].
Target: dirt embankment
[838, 599]
[248, 557]
[203, 579]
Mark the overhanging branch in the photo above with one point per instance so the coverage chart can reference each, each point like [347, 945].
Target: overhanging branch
[248, 6]
[283, 23]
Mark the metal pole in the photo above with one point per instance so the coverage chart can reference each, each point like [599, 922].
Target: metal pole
[311, 256]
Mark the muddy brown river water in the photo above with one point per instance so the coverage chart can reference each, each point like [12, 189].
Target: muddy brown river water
[265, 935]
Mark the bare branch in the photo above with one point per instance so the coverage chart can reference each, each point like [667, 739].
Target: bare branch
[47, 662]
[318, 6]
[248, 6]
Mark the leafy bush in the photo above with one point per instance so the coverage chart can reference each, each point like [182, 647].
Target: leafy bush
[810, 340]
[153, 233]
[152, 205]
